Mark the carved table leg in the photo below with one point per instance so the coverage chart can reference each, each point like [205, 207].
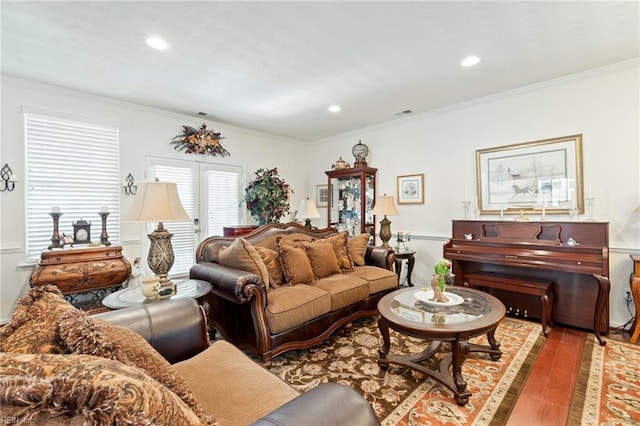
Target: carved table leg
[635, 292]
[460, 351]
[384, 330]
[410, 262]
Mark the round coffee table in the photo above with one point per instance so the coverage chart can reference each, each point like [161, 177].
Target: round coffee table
[469, 313]
[129, 297]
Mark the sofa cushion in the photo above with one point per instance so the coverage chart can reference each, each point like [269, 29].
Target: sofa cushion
[379, 279]
[83, 334]
[323, 258]
[272, 262]
[242, 255]
[340, 243]
[272, 241]
[295, 263]
[97, 390]
[344, 289]
[241, 391]
[288, 307]
[358, 247]
[33, 327]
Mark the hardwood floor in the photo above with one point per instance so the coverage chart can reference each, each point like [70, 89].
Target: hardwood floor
[546, 396]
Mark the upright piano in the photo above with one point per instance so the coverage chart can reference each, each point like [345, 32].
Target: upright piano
[574, 256]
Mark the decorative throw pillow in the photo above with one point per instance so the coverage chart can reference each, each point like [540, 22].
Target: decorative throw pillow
[358, 247]
[242, 255]
[99, 391]
[33, 327]
[83, 334]
[322, 258]
[340, 246]
[295, 264]
[270, 259]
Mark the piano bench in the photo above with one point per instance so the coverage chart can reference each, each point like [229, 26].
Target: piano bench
[522, 285]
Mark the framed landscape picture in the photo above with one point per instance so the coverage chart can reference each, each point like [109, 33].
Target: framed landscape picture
[411, 189]
[531, 176]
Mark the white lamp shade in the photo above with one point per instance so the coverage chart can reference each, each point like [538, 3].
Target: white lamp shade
[308, 209]
[384, 206]
[156, 202]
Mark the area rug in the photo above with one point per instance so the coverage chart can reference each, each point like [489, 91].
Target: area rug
[401, 396]
[607, 391]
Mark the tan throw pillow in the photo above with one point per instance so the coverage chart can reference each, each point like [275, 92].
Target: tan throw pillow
[270, 259]
[358, 247]
[33, 327]
[341, 248]
[83, 334]
[98, 390]
[242, 255]
[322, 258]
[295, 264]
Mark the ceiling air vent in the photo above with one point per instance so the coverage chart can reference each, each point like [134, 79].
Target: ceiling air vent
[405, 112]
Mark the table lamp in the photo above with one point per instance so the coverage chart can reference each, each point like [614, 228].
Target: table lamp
[384, 205]
[158, 202]
[308, 210]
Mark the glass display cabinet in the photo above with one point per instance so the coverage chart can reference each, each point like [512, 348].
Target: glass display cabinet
[352, 193]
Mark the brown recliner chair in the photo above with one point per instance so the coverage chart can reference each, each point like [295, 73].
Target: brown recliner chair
[231, 387]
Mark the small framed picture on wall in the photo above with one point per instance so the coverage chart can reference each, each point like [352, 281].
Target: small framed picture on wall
[322, 195]
[411, 189]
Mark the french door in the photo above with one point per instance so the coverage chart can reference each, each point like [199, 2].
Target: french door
[211, 194]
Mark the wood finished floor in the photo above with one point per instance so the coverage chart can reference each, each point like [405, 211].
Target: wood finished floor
[546, 396]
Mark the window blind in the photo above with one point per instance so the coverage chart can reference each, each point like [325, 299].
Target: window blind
[223, 199]
[183, 240]
[210, 191]
[73, 165]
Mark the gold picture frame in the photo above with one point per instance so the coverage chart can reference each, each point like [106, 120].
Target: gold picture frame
[411, 189]
[544, 175]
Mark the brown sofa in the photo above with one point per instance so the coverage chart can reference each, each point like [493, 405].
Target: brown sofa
[266, 319]
[229, 388]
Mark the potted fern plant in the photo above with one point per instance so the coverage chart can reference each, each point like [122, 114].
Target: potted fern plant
[267, 196]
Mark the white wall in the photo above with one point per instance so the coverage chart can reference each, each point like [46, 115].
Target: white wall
[602, 105]
[143, 131]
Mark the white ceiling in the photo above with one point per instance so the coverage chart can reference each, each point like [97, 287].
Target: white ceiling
[277, 66]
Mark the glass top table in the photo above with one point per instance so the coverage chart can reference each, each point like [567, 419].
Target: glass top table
[467, 314]
[129, 297]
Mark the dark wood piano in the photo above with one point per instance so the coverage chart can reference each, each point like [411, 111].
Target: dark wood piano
[574, 256]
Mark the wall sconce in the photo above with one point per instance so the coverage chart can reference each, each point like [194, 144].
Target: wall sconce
[8, 178]
[129, 187]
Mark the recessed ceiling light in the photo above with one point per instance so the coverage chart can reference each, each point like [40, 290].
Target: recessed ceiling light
[334, 108]
[470, 61]
[157, 43]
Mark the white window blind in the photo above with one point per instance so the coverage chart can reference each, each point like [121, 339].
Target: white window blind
[211, 191]
[223, 198]
[183, 240]
[74, 165]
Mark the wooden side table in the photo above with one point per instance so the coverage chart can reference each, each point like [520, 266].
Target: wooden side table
[232, 231]
[411, 260]
[82, 270]
[634, 283]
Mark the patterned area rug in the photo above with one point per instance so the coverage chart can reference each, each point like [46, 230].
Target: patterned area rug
[608, 388]
[401, 396]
